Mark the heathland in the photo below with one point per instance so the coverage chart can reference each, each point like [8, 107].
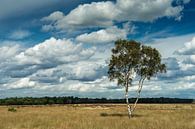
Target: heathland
[98, 116]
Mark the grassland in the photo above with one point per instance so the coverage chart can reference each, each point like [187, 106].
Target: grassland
[151, 116]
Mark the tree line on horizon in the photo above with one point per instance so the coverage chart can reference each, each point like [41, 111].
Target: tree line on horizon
[77, 100]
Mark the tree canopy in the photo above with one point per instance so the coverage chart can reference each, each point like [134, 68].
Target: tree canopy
[130, 58]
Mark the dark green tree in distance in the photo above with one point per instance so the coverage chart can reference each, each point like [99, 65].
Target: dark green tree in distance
[131, 61]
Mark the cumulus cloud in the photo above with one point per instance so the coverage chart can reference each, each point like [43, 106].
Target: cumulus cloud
[48, 54]
[54, 16]
[89, 71]
[100, 85]
[9, 51]
[94, 14]
[147, 10]
[52, 62]
[178, 80]
[21, 83]
[82, 71]
[54, 51]
[174, 43]
[61, 66]
[103, 36]
[189, 61]
[66, 66]
[180, 70]
[171, 63]
[104, 14]
[173, 69]
[188, 49]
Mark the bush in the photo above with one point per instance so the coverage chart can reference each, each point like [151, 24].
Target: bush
[103, 114]
[12, 109]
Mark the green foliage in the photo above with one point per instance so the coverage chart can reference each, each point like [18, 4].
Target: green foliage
[11, 109]
[76, 100]
[150, 63]
[126, 56]
[130, 57]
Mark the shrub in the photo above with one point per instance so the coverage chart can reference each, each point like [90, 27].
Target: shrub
[12, 109]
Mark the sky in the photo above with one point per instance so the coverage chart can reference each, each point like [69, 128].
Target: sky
[63, 47]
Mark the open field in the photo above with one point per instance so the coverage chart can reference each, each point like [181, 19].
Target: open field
[99, 116]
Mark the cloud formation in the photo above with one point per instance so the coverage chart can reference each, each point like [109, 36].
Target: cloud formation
[54, 51]
[108, 35]
[180, 68]
[52, 62]
[61, 65]
[104, 14]
[188, 49]
[77, 65]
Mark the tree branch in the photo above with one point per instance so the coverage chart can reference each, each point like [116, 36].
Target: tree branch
[138, 92]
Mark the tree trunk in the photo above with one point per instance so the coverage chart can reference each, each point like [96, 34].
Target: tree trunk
[128, 107]
[127, 101]
[138, 93]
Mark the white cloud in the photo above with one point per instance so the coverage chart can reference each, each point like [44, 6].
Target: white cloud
[174, 43]
[51, 62]
[47, 28]
[61, 66]
[54, 51]
[100, 85]
[103, 36]
[21, 83]
[19, 34]
[190, 60]
[94, 14]
[188, 53]
[188, 49]
[171, 63]
[180, 68]
[8, 52]
[81, 71]
[89, 71]
[54, 16]
[147, 10]
[104, 14]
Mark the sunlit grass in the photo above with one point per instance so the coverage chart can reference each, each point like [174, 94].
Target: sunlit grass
[99, 117]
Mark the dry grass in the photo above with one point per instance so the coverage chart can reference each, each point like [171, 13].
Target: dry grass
[99, 117]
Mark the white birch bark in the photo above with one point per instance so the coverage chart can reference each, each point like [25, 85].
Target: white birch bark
[127, 100]
[138, 92]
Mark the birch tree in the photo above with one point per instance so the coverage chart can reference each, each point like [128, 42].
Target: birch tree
[130, 59]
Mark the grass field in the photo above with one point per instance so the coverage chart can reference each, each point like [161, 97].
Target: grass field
[99, 116]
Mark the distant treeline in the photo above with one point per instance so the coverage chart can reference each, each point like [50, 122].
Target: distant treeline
[76, 100]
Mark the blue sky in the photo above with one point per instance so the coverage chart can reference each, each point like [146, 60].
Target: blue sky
[62, 47]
